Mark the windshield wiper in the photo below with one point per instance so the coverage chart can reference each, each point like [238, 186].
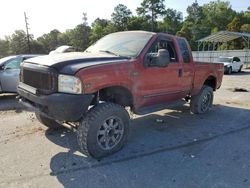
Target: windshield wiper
[112, 53]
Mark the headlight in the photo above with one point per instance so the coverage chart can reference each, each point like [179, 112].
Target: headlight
[69, 84]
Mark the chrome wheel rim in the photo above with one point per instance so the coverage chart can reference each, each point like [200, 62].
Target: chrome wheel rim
[110, 133]
[206, 100]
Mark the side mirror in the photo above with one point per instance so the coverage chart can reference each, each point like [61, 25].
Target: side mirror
[161, 59]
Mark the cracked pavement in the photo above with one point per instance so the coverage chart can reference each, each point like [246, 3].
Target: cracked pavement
[169, 148]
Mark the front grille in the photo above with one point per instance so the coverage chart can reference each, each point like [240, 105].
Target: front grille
[43, 79]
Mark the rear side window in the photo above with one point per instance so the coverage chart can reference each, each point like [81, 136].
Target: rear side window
[184, 50]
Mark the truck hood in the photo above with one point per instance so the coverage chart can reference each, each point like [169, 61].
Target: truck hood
[70, 63]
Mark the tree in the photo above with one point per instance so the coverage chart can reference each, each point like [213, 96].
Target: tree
[234, 25]
[186, 32]
[139, 23]
[18, 42]
[151, 9]
[172, 22]
[100, 28]
[245, 28]
[4, 47]
[193, 27]
[120, 17]
[79, 37]
[218, 14]
[36, 47]
[50, 41]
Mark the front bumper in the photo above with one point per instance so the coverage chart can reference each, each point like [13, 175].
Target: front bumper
[58, 106]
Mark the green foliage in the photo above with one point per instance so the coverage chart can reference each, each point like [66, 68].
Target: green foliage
[234, 25]
[139, 23]
[218, 14]
[245, 28]
[18, 42]
[201, 21]
[120, 17]
[100, 28]
[151, 9]
[50, 41]
[171, 23]
[4, 47]
[79, 37]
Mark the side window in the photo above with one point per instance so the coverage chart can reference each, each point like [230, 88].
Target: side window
[164, 44]
[184, 50]
[13, 63]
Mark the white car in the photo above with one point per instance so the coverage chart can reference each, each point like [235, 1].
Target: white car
[231, 64]
[63, 49]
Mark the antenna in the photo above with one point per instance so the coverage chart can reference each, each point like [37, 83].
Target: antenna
[84, 18]
[27, 31]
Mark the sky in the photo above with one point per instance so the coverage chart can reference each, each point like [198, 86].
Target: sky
[46, 15]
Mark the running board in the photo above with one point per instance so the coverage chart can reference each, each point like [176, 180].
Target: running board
[158, 107]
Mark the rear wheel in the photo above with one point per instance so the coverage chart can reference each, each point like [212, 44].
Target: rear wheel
[202, 102]
[48, 122]
[104, 130]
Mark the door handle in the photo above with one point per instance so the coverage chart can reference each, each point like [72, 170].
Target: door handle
[180, 72]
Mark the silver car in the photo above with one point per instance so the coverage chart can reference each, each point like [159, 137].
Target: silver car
[9, 72]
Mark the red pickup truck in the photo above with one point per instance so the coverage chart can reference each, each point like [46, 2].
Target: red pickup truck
[88, 91]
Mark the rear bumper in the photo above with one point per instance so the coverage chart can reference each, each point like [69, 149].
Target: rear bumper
[58, 106]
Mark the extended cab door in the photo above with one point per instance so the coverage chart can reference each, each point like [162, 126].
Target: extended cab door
[157, 85]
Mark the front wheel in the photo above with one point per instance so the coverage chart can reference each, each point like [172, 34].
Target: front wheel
[202, 102]
[104, 130]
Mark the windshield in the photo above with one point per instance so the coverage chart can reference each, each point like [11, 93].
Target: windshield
[3, 60]
[225, 59]
[128, 44]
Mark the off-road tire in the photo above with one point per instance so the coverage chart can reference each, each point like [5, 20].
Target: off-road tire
[91, 125]
[50, 123]
[202, 102]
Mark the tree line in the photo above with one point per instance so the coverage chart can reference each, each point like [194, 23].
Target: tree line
[152, 15]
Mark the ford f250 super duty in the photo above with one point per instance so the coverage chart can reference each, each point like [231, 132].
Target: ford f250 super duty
[89, 91]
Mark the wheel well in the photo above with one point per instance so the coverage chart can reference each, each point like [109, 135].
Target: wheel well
[211, 81]
[116, 94]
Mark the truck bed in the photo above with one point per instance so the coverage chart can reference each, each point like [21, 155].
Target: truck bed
[206, 69]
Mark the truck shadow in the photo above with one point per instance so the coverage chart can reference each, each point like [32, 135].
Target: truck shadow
[149, 135]
[10, 102]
